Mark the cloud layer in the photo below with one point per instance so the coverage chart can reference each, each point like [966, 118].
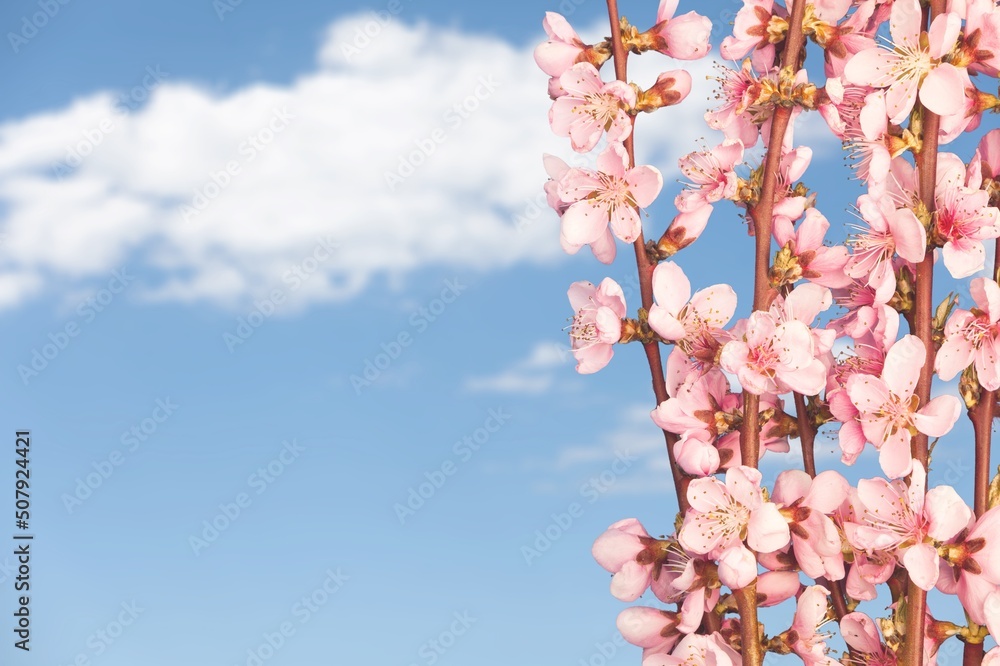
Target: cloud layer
[418, 146]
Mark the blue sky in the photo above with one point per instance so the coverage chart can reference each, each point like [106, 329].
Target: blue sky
[201, 254]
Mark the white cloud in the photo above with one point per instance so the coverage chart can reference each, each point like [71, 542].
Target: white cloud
[532, 375]
[322, 175]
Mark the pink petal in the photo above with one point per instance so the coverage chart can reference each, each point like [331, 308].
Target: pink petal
[963, 260]
[706, 494]
[921, 561]
[584, 222]
[737, 567]
[859, 632]
[948, 514]
[894, 457]
[645, 183]
[905, 21]
[943, 34]
[767, 530]
[908, 234]
[955, 355]
[715, 305]
[867, 393]
[943, 90]
[671, 287]
[641, 625]
[902, 366]
[625, 223]
[828, 491]
[936, 418]
[869, 67]
[630, 582]
[743, 484]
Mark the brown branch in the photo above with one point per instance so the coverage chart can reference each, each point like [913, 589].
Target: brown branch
[916, 598]
[645, 269]
[750, 644]
[982, 425]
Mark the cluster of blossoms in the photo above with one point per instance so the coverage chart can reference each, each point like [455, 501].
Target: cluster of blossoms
[844, 338]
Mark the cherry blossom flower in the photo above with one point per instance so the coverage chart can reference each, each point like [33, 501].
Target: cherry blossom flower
[909, 522]
[722, 513]
[964, 575]
[710, 174]
[806, 503]
[912, 67]
[974, 337]
[609, 195]
[870, 568]
[597, 324]
[750, 32]
[890, 230]
[862, 636]
[697, 650]
[841, 107]
[591, 107]
[626, 550]
[564, 48]
[604, 247]
[775, 358]
[733, 117]
[683, 37]
[816, 262]
[678, 317]
[654, 630]
[963, 218]
[811, 613]
[888, 410]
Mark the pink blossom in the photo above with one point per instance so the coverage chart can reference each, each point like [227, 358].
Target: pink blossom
[869, 568]
[750, 31]
[776, 587]
[609, 195]
[691, 322]
[909, 523]
[733, 117]
[963, 218]
[872, 146]
[890, 230]
[974, 337]
[652, 629]
[820, 264]
[710, 174]
[775, 358]
[604, 247]
[591, 107]
[684, 37]
[563, 49]
[721, 514]
[842, 106]
[697, 650]
[597, 324]
[888, 410]
[811, 613]
[911, 66]
[807, 502]
[862, 636]
[627, 551]
[847, 38]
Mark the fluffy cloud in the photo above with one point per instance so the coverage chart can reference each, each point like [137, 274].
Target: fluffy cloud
[420, 149]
